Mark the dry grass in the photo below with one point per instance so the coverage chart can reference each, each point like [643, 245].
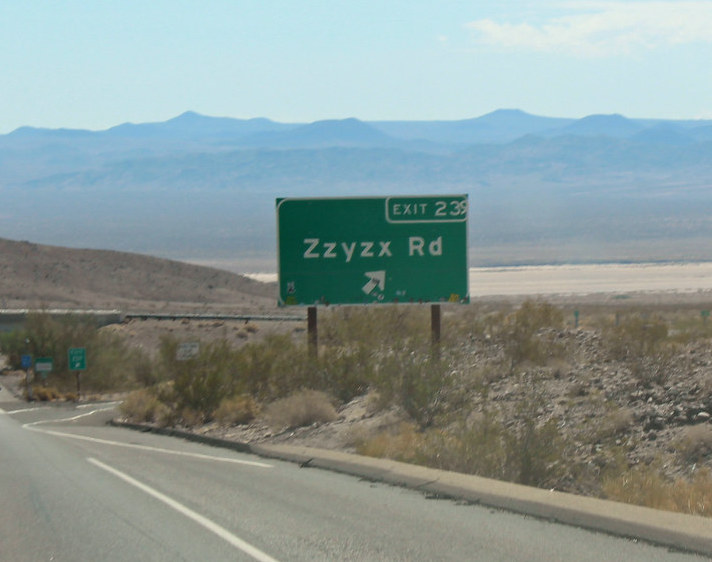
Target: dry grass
[696, 443]
[643, 485]
[143, 406]
[237, 410]
[46, 393]
[400, 445]
[302, 408]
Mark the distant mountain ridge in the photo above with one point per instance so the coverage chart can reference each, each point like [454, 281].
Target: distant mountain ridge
[500, 126]
[542, 189]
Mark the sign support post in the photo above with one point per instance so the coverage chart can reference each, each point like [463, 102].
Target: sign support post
[312, 333]
[77, 359]
[435, 329]
[26, 361]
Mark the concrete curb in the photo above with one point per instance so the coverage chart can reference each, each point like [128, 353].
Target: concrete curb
[680, 531]
[212, 441]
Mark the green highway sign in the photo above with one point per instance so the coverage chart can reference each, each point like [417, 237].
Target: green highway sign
[362, 250]
[44, 366]
[77, 358]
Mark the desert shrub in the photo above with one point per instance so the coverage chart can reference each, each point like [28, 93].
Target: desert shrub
[694, 496]
[302, 408]
[464, 324]
[616, 421]
[690, 326]
[635, 336]
[526, 334]
[478, 447]
[526, 453]
[373, 327]
[641, 485]
[695, 443]
[45, 393]
[536, 452]
[200, 383]
[644, 485]
[143, 406]
[13, 345]
[402, 444]
[642, 342]
[343, 373]
[49, 336]
[145, 372]
[271, 368]
[111, 363]
[277, 366]
[190, 417]
[236, 410]
[414, 380]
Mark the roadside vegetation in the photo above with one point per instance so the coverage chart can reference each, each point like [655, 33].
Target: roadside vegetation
[114, 365]
[530, 394]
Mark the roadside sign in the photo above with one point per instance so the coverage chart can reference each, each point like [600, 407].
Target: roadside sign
[366, 250]
[26, 361]
[43, 366]
[187, 351]
[77, 358]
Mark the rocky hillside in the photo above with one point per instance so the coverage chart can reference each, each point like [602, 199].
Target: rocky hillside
[33, 275]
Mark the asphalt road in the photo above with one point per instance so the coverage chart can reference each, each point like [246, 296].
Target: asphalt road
[74, 489]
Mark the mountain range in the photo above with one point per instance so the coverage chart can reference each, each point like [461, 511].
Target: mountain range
[542, 189]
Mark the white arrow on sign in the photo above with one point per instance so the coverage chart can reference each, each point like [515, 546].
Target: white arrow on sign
[375, 279]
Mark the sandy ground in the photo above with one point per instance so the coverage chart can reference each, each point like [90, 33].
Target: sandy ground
[590, 279]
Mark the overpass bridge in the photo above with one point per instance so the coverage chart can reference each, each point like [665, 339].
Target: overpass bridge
[12, 319]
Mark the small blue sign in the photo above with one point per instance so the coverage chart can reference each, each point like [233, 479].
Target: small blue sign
[26, 361]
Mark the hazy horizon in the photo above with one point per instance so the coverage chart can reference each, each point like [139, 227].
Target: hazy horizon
[94, 66]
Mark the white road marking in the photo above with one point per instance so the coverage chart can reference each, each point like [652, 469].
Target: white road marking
[73, 418]
[79, 406]
[114, 403]
[30, 427]
[180, 508]
[152, 449]
[23, 410]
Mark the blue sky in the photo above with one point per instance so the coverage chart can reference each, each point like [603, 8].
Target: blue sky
[96, 64]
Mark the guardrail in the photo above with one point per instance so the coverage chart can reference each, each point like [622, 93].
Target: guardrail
[11, 319]
[202, 316]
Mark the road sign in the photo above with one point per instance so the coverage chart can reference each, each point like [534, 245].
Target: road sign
[77, 357]
[44, 364]
[372, 250]
[187, 350]
[26, 361]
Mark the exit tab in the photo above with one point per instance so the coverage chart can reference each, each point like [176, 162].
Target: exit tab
[429, 208]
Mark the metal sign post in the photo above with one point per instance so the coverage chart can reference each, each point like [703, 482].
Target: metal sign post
[435, 329]
[312, 333]
[77, 361]
[26, 363]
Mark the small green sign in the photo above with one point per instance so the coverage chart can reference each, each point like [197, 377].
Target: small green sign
[363, 250]
[77, 358]
[44, 366]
